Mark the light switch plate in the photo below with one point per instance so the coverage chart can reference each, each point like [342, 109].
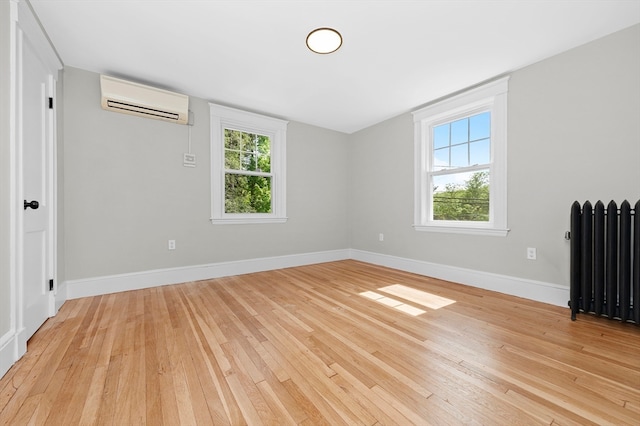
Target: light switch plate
[189, 160]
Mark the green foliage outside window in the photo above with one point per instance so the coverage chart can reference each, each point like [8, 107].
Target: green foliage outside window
[248, 172]
[468, 202]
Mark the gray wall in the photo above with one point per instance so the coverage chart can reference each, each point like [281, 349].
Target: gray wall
[126, 191]
[5, 69]
[573, 134]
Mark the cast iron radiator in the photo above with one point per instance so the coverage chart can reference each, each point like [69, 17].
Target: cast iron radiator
[605, 260]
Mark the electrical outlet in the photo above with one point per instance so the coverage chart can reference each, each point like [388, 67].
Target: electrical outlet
[381, 237]
[532, 253]
[172, 244]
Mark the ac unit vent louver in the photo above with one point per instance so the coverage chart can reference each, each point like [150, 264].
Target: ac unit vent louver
[145, 101]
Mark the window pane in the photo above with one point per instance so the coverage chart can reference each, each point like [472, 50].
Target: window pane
[253, 151]
[247, 194]
[461, 196]
[248, 161]
[460, 155]
[480, 152]
[264, 154]
[460, 131]
[232, 159]
[480, 126]
[441, 159]
[441, 136]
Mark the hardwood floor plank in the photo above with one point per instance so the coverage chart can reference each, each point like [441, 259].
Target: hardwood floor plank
[398, 405]
[94, 396]
[153, 368]
[243, 368]
[283, 417]
[302, 402]
[537, 409]
[27, 411]
[41, 372]
[106, 412]
[214, 362]
[320, 409]
[633, 407]
[249, 412]
[566, 399]
[251, 356]
[203, 388]
[304, 346]
[306, 366]
[165, 345]
[383, 412]
[395, 375]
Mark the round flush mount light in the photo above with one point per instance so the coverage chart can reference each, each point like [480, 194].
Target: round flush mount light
[324, 40]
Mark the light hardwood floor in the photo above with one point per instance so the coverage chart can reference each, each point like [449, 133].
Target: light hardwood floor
[304, 346]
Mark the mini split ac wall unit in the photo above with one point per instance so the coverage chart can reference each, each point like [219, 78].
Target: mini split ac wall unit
[144, 101]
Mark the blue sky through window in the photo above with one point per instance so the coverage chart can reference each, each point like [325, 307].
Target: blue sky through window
[462, 143]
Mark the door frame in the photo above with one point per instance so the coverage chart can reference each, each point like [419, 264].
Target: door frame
[24, 24]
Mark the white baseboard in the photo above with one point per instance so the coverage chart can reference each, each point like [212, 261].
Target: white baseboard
[11, 350]
[139, 280]
[8, 352]
[530, 289]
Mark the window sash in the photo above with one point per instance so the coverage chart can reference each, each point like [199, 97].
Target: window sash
[467, 146]
[467, 205]
[245, 203]
[247, 173]
[244, 153]
[475, 167]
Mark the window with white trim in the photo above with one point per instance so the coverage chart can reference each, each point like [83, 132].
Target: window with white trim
[460, 162]
[248, 175]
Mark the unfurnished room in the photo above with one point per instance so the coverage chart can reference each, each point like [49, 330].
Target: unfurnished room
[306, 212]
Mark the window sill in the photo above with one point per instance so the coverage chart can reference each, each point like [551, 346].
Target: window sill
[468, 230]
[247, 220]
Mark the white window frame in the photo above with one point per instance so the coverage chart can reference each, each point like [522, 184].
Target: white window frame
[490, 97]
[230, 118]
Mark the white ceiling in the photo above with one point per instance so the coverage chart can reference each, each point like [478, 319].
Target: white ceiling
[251, 54]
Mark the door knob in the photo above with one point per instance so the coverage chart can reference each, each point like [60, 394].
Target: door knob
[34, 204]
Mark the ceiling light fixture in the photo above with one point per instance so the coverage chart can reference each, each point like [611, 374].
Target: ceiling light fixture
[324, 40]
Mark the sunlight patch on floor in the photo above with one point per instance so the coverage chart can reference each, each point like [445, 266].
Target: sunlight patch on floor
[420, 297]
[396, 304]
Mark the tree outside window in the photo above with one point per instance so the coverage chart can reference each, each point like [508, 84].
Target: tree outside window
[247, 158]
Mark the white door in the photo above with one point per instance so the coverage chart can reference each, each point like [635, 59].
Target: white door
[37, 125]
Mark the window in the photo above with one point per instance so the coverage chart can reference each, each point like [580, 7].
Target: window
[247, 167]
[460, 162]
